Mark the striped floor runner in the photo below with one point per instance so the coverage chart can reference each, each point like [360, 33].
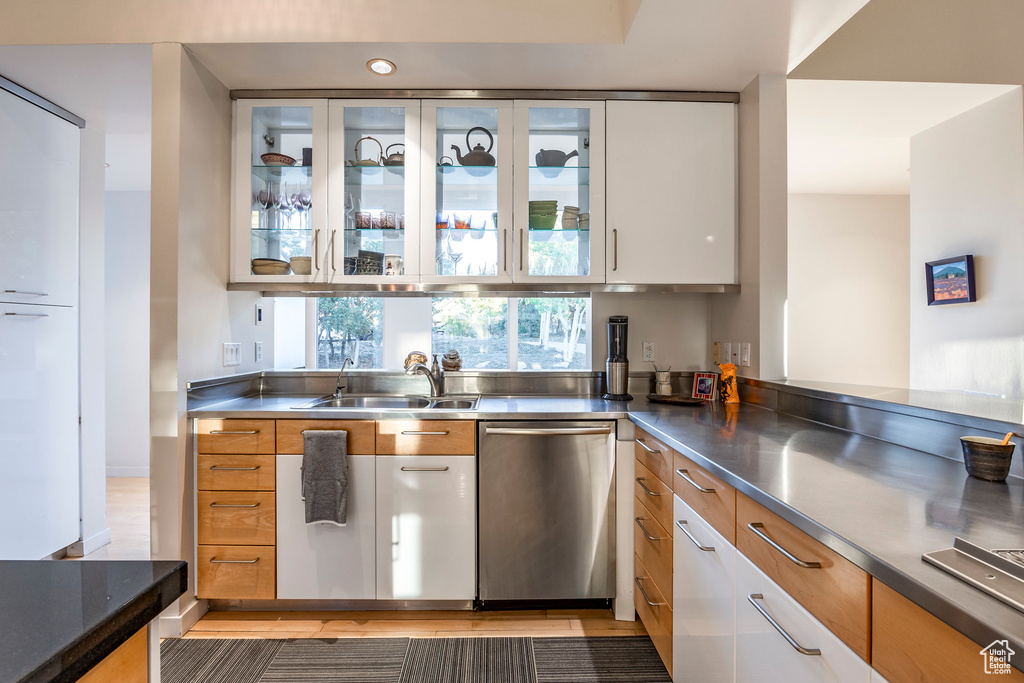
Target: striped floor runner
[416, 660]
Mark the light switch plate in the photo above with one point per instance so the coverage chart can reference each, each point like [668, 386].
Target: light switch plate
[716, 352]
[648, 351]
[726, 352]
[232, 354]
[745, 354]
[259, 352]
[734, 355]
[259, 314]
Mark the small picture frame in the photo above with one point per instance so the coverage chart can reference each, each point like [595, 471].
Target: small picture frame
[950, 280]
[704, 385]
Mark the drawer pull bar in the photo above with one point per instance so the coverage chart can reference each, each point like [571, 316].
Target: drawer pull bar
[549, 431]
[214, 560]
[646, 447]
[683, 526]
[30, 315]
[218, 467]
[640, 480]
[425, 469]
[223, 431]
[640, 523]
[644, 593]
[232, 505]
[756, 528]
[752, 599]
[685, 474]
[425, 433]
[22, 291]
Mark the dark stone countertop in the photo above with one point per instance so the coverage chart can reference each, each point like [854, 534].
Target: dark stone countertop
[60, 618]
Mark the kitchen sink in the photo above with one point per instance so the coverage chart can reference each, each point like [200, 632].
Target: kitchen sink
[379, 402]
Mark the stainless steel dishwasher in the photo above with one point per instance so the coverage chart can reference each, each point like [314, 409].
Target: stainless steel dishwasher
[546, 510]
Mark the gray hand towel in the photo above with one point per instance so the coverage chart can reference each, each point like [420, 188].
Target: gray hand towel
[325, 476]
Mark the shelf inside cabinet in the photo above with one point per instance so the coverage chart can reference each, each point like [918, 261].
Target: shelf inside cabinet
[467, 175]
[375, 175]
[569, 176]
[396, 233]
[280, 230]
[288, 174]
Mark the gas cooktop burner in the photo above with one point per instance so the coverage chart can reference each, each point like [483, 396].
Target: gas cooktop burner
[1000, 573]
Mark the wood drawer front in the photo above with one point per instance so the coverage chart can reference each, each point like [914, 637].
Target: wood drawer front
[228, 572]
[656, 619]
[656, 497]
[909, 644]
[361, 435]
[253, 524]
[129, 663]
[655, 554]
[837, 593]
[235, 436]
[236, 472]
[716, 503]
[657, 457]
[426, 437]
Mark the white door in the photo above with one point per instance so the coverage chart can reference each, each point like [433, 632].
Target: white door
[39, 456]
[426, 527]
[703, 596]
[793, 649]
[38, 205]
[671, 193]
[321, 561]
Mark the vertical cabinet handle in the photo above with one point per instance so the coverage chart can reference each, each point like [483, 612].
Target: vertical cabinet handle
[522, 248]
[615, 249]
[504, 250]
[757, 527]
[316, 248]
[334, 234]
[753, 600]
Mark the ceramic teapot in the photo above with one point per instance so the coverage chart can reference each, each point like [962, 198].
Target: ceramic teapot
[370, 161]
[476, 156]
[396, 159]
[554, 157]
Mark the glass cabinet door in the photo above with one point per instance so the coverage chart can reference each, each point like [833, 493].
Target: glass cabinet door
[559, 191]
[468, 194]
[374, 152]
[280, 207]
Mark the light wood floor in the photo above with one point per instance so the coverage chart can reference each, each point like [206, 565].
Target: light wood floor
[128, 518]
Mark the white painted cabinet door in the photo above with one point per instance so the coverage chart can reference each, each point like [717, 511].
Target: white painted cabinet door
[323, 561]
[426, 527]
[763, 654]
[671, 178]
[38, 205]
[39, 509]
[703, 597]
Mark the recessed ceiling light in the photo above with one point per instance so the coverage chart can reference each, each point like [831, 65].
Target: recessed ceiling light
[381, 67]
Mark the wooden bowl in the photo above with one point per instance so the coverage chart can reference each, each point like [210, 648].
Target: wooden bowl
[272, 159]
[987, 458]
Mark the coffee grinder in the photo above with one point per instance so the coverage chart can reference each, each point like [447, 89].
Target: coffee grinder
[617, 365]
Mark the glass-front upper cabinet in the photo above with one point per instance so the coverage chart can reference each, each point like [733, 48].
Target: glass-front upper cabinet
[559, 191]
[279, 210]
[374, 191]
[467, 191]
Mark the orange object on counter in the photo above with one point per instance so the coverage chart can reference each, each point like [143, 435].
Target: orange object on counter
[727, 384]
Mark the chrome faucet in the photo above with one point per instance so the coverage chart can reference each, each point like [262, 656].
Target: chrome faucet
[434, 375]
[345, 363]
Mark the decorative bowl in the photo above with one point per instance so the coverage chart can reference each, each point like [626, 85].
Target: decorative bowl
[301, 265]
[273, 159]
[542, 221]
[987, 458]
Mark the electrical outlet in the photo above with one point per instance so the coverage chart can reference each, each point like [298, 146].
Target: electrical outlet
[716, 352]
[259, 314]
[232, 354]
[726, 352]
[648, 347]
[734, 355]
[259, 352]
[745, 354]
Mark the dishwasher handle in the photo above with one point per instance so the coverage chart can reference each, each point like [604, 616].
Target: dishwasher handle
[547, 431]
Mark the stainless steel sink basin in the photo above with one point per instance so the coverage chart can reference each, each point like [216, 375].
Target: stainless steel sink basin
[379, 402]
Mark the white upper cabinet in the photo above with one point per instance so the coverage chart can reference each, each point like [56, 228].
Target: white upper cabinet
[671, 193]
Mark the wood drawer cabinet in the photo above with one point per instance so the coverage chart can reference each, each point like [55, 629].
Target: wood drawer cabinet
[426, 437]
[833, 589]
[236, 572]
[709, 496]
[655, 456]
[235, 436]
[237, 517]
[129, 663]
[653, 545]
[235, 472]
[909, 644]
[361, 435]
[654, 494]
[654, 610]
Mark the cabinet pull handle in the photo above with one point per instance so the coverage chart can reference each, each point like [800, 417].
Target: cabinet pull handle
[756, 527]
[334, 235]
[553, 431]
[234, 505]
[615, 249]
[646, 447]
[639, 585]
[218, 467]
[424, 433]
[504, 250]
[425, 469]
[752, 599]
[30, 315]
[316, 248]
[22, 291]
[226, 431]
[640, 523]
[681, 523]
[640, 480]
[522, 248]
[685, 474]
[214, 560]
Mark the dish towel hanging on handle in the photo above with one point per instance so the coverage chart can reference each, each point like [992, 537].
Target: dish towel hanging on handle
[325, 476]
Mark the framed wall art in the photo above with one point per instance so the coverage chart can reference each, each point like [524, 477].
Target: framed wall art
[704, 385]
[950, 280]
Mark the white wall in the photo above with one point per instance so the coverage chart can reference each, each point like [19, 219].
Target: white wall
[676, 323]
[967, 197]
[849, 289]
[127, 333]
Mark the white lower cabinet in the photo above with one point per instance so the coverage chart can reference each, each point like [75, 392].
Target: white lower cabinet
[324, 561]
[703, 590]
[767, 652]
[426, 527]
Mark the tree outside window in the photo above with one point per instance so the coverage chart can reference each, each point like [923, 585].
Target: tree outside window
[349, 327]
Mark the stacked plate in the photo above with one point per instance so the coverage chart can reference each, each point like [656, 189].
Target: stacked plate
[270, 266]
[543, 214]
[570, 217]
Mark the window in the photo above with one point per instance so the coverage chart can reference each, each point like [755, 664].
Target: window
[490, 333]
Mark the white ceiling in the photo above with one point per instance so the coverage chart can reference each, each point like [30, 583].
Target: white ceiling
[853, 137]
